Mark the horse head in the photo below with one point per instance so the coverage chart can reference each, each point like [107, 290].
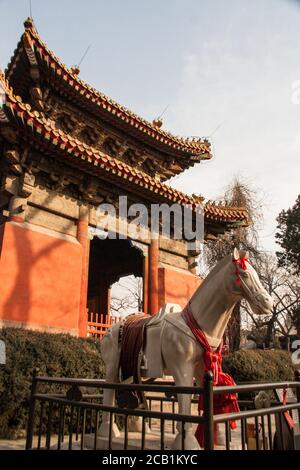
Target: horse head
[245, 283]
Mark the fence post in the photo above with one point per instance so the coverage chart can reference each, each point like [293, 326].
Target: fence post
[297, 378]
[208, 412]
[30, 425]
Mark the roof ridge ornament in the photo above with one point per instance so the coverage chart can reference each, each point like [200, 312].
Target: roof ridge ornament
[75, 70]
[28, 23]
[157, 123]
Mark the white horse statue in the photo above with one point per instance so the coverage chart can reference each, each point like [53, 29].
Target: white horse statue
[232, 279]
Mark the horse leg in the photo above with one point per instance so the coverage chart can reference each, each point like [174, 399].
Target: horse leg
[219, 435]
[185, 434]
[111, 358]
[109, 400]
[180, 355]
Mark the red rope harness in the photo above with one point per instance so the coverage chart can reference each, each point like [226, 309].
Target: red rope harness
[223, 403]
[242, 263]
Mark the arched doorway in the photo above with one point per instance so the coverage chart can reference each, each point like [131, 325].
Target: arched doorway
[109, 261]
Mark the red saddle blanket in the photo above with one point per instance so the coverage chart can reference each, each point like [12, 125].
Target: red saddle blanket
[133, 337]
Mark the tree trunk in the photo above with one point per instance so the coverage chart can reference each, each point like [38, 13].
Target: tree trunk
[234, 329]
[269, 334]
[270, 328]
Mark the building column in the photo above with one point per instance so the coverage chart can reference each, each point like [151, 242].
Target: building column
[104, 298]
[153, 276]
[145, 282]
[108, 302]
[82, 237]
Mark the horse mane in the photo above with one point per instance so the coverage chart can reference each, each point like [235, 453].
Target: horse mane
[220, 265]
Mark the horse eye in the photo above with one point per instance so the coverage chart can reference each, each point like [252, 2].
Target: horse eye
[245, 274]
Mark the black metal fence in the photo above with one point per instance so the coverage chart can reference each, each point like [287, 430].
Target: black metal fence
[66, 414]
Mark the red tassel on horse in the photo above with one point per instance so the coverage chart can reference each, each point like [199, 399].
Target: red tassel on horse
[223, 403]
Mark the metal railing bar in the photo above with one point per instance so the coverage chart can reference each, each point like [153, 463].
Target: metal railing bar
[243, 433]
[40, 425]
[49, 426]
[96, 430]
[255, 387]
[269, 420]
[173, 412]
[71, 428]
[111, 417]
[143, 433]
[280, 418]
[60, 427]
[83, 428]
[126, 432]
[227, 435]
[63, 409]
[252, 413]
[263, 432]
[123, 411]
[256, 433]
[162, 434]
[77, 422]
[120, 386]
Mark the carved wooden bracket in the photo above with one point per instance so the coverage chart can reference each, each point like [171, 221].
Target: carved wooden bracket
[111, 146]
[12, 161]
[66, 122]
[26, 185]
[88, 135]
[89, 191]
[37, 98]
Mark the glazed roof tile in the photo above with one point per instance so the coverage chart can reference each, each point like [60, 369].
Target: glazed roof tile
[198, 149]
[13, 110]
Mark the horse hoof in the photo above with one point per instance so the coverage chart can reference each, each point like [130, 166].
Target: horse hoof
[104, 430]
[220, 437]
[135, 424]
[190, 442]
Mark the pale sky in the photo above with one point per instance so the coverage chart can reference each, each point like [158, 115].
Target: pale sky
[223, 66]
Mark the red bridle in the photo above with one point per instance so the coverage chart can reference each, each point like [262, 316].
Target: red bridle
[242, 263]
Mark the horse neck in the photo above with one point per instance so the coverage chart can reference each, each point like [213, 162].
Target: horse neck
[212, 304]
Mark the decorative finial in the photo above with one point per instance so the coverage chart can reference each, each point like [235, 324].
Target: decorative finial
[28, 23]
[157, 123]
[75, 70]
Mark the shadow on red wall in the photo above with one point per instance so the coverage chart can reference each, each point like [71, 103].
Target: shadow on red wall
[40, 275]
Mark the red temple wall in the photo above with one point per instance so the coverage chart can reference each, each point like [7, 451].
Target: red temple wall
[176, 286]
[40, 278]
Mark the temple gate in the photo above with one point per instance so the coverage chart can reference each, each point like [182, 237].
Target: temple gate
[65, 148]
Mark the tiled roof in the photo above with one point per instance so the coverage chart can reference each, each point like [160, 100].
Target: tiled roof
[198, 149]
[13, 110]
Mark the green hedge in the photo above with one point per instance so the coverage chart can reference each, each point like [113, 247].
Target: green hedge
[259, 366]
[66, 356]
[54, 355]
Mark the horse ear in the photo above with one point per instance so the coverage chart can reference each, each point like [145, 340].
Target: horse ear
[236, 254]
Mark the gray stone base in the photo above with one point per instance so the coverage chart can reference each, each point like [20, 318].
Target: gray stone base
[152, 441]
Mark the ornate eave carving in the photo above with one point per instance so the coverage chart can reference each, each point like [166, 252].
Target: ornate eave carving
[96, 134]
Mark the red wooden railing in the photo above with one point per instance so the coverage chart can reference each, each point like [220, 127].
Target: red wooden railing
[98, 324]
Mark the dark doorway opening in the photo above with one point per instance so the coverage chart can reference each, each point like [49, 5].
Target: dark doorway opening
[109, 261]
